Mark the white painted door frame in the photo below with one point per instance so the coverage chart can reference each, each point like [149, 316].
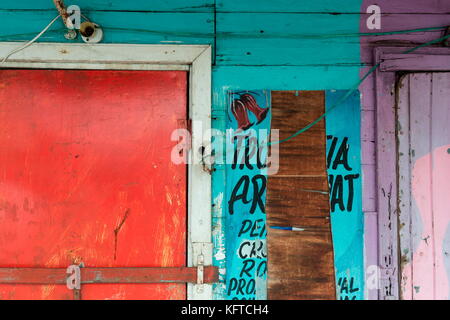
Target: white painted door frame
[196, 59]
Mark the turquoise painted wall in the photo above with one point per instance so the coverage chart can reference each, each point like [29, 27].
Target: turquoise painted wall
[344, 176]
[258, 44]
[245, 189]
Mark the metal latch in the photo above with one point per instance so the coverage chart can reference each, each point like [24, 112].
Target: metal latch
[200, 269]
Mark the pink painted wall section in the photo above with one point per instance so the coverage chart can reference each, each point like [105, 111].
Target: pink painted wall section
[424, 177]
[396, 15]
[430, 278]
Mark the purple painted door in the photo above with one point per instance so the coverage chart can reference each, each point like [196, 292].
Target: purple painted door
[424, 185]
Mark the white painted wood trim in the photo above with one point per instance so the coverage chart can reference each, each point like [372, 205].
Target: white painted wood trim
[199, 178]
[105, 54]
[99, 66]
[197, 59]
[404, 185]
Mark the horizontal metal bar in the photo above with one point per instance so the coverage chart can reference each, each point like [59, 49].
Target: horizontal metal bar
[107, 275]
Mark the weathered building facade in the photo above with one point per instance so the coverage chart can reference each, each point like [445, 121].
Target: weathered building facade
[355, 209]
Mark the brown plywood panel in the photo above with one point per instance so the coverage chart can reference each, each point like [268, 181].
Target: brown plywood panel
[300, 263]
[291, 111]
[298, 201]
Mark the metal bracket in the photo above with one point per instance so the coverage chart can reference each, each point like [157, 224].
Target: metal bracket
[201, 258]
[200, 269]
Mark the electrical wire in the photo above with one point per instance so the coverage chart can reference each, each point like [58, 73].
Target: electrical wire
[14, 37]
[29, 43]
[350, 92]
[268, 35]
[189, 34]
[271, 35]
[353, 90]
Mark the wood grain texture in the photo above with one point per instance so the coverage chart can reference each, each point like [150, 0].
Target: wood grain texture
[103, 5]
[331, 6]
[420, 91]
[423, 176]
[300, 263]
[286, 77]
[285, 39]
[386, 183]
[298, 201]
[305, 154]
[85, 176]
[136, 27]
[412, 16]
[404, 183]
[294, 39]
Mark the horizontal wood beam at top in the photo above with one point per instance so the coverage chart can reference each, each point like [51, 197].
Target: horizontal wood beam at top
[211, 10]
[240, 27]
[119, 27]
[292, 39]
[298, 25]
[332, 6]
[249, 6]
[285, 78]
[104, 5]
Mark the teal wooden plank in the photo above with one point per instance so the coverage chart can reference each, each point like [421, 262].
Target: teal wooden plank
[125, 27]
[246, 265]
[287, 39]
[219, 116]
[285, 78]
[283, 25]
[117, 5]
[343, 126]
[289, 6]
[287, 52]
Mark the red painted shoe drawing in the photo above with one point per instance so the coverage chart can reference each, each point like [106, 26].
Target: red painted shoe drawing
[252, 105]
[239, 108]
[239, 111]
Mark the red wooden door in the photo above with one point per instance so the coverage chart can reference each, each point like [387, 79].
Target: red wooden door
[86, 176]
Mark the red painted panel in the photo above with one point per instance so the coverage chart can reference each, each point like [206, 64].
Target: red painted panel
[86, 176]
